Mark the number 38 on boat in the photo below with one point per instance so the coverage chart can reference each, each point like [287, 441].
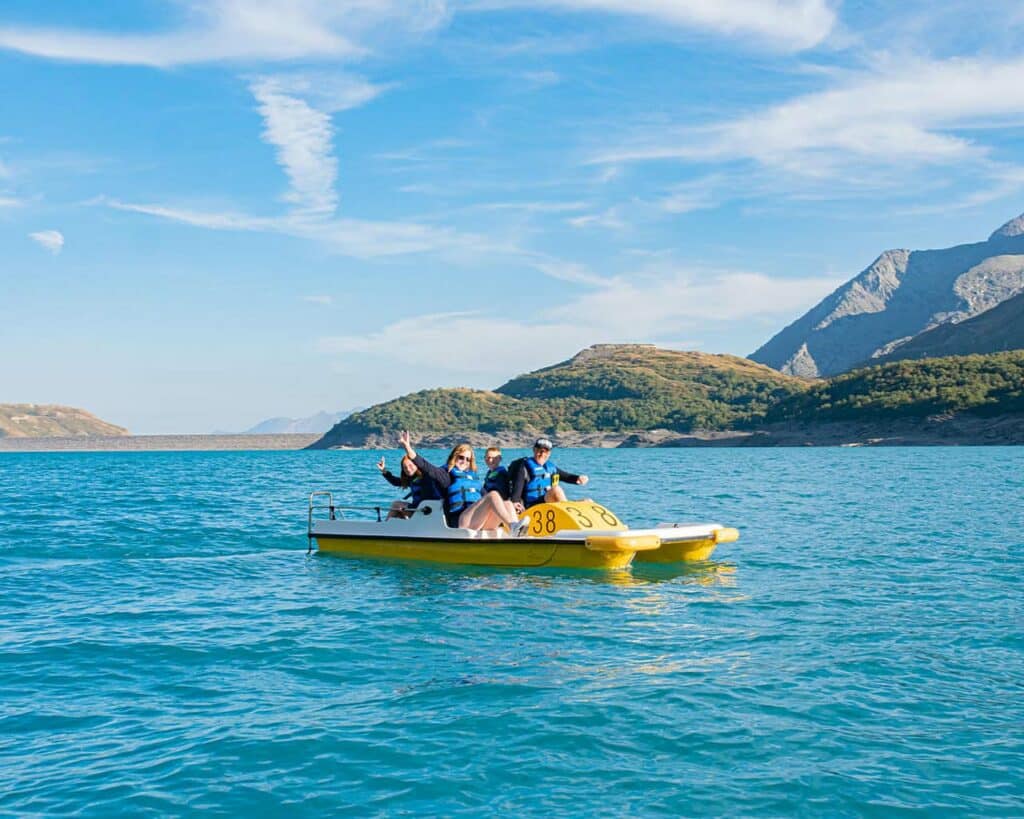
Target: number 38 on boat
[571, 534]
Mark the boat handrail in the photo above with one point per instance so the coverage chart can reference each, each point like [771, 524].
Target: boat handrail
[336, 511]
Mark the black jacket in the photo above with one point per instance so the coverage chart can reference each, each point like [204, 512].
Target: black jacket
[519, 479]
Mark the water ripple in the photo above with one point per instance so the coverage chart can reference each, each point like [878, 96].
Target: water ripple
[169, 648]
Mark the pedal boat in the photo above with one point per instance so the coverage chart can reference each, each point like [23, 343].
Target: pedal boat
[576, 535]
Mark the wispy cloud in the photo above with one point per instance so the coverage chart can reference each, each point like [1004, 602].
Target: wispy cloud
[789, 24]
[679, 298]
[236, 30]
[51, 240]
[326, 301]
[329, 91]
[350, 237]
[532, 207]
[303, 137]
[1000, 181]
[609, 219]
[10, 202]
[903, 113]
[425, 152]
[569, 272]
[281, 30]
[641, 307]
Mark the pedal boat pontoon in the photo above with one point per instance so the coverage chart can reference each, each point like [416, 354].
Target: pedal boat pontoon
[573, 534]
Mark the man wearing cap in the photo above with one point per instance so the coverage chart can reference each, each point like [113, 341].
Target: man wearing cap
[537, 480]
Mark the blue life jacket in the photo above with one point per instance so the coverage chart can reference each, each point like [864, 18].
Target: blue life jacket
[540, 480]
[463, 491]
[421, 488]
[497, 481]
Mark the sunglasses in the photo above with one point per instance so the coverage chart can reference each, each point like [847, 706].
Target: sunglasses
[461, 457]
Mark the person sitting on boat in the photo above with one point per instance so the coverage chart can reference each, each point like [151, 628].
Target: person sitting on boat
[537, 480]
[420, 487]
[465, 506]
[496, 479]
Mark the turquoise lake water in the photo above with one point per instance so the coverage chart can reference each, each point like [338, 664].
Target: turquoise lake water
[169, 648]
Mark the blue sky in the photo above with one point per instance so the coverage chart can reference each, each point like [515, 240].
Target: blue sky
[216, 212]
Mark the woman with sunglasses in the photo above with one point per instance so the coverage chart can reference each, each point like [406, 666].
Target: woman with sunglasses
[465, 504]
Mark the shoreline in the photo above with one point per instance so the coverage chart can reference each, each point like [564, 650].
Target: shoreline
[161, 443]
[944, 430]
[939, 430]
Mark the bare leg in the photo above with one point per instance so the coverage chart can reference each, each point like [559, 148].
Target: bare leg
[487, 513]
[555, 495]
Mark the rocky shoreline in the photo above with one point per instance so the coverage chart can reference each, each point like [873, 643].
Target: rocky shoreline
[938, 430]
[159, 443]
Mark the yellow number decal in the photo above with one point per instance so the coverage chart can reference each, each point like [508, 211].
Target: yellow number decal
[538, 523]
[549, 523]
[605, 515]
[586, 522]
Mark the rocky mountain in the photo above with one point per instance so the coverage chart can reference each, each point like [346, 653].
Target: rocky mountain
[997, 329]
[319, 423]
[52, 421]
[607, 388]
[901, 295]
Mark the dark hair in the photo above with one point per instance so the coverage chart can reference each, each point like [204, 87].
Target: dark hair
[407, 479]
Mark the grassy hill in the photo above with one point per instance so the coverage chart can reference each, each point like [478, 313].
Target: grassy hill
[977, 384]
[51, 421]
[608, 388]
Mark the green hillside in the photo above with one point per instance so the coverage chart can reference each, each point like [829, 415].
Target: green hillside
[52, 421]
[979, 384]
[609, 388]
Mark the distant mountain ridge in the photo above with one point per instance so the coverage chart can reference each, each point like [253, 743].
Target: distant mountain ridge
[312, 424]
[53, 421]
[901, 295]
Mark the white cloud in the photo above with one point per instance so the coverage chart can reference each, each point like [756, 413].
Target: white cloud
[663, 302]
[257, 31]
[608, 219]
[350, 237]
[792, 24]
[303, 138]
[1001, 182]
[568, 272]
[329, 91]
[903, 113]
[427, 152]
[635, 309]
[52, 240]
[531, 207]
[326, 301]
[237, 30]
[10, 202]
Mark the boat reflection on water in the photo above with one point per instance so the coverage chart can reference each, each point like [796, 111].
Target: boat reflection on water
[704, 573]
[427, 579]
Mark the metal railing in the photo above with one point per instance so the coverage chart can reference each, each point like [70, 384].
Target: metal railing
[322, 500]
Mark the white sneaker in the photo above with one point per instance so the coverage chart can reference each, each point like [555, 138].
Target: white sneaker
[520, 528]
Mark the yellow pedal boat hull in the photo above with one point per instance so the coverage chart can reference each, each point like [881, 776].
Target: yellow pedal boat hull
[525, 552]
[568, 535]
